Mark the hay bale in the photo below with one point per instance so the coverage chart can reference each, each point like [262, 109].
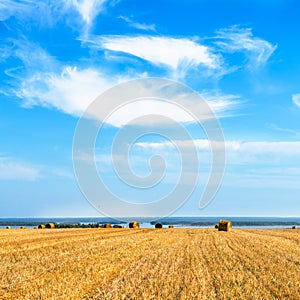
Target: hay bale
[217, 226]
[8, 227]
[158, 225]
[22, 227]
[41, 226]
[294, 227]
[171, 226]
[134, 224]
[225, 225]
[118, 226]
[107, 225]
[50, 226]
[35, 227]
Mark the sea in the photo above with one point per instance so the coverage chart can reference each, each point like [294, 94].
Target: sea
[145, 222]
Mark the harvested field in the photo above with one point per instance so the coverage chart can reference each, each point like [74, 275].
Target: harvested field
[141, 263]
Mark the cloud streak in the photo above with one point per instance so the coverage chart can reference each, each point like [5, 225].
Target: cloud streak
[12, 170]
[236, 39]
[296, 99]
[71, 91]
[137, 25]
[241, 152]
[160, 51]
[87, 9]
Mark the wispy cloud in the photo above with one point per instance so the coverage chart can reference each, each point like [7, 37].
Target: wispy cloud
[87, 9]
[223, 105]
[49, 12]
[31, 57]
[284, 130]
[160, 51]
[13, 170]
[236, 39]
[189, 54]
[296, 99]
[46, 82]
[137, 25]
[239, 152]
[256, 164]
[267, 177]
[9, 8]
[70, 91]
[73, 90]
[33, 12]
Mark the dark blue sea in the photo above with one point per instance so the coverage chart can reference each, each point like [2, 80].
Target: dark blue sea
[178, 222]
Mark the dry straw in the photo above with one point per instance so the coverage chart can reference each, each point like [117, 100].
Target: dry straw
[22, 227]
[107, 225]
[158, 225]
[41, 226]
[294, 227]
[171, 226]
[134, 224]
[8, 227]
[50, 226]
[225, 225]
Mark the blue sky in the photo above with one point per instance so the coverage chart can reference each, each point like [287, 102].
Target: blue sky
[242, 57]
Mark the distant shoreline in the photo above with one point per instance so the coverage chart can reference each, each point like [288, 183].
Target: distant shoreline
[179, 222]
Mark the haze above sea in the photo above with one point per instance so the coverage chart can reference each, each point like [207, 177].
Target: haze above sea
[145, 222]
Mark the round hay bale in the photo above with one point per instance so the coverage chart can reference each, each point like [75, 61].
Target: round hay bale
[158, 225]
[8, 227]
[217, 226]
[134, 224]
[107, 225]
[35, 227]
[41, 226]
[171, 226]
[22, 227]
[50, 226]
[118, 226]
[294, 227]
[225, 225]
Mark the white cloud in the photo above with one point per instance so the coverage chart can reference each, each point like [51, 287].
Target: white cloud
[87, 9]
[296, 99]
[49, 12]
[259, 164]
[11, 170]
[71, 91]
[9, 8]
[254, 164]
[263, 153]
[33, 57]
[245, 152]
[160, 51]
[235, 39]
[137, 25]
[43, 81]
[223, 105]
[41, 13]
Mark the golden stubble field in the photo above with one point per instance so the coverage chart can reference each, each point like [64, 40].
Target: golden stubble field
[149, 264]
